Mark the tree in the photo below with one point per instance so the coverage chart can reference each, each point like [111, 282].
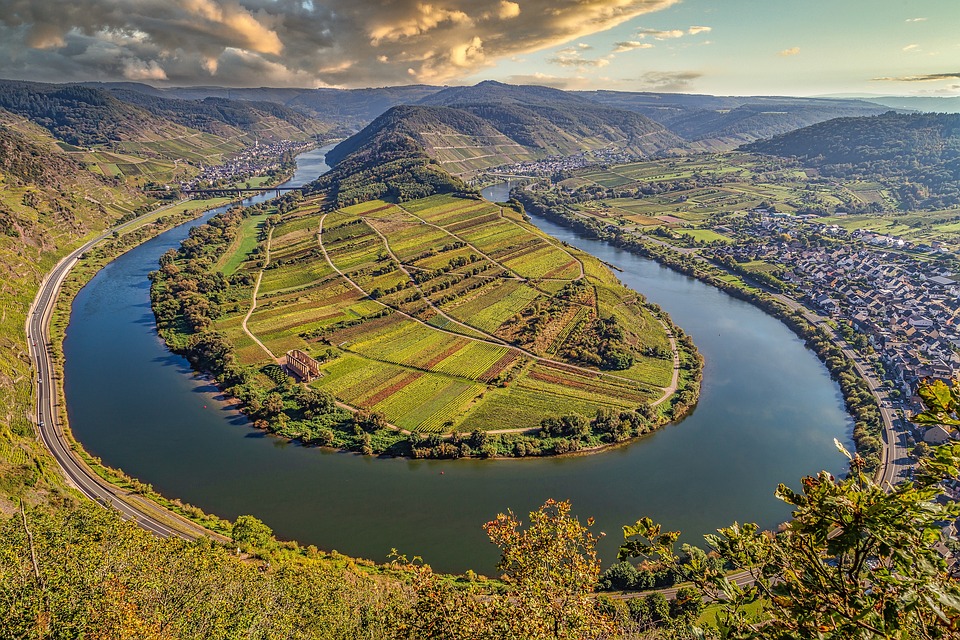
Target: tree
[551, 569]
[273, 404]
[250, 530]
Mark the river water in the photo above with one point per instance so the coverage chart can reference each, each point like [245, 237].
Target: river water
[768, 413]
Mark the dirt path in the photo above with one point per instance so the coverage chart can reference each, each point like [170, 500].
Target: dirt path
[426, 298]
[529, 354]
[515, 276]
[675, 379]
[253, 306]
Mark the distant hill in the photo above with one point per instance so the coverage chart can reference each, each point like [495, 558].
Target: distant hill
[468, 129]
[708, 122]
[929, 104]
[224, 117]
[549, 121]
[389, 159]
[918, 154]
[357, 107]
[84, 116]
[723, 122]
[346, 107]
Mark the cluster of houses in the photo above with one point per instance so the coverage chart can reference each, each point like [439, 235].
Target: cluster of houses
[253, 161]
[556, 164]
[908, 308]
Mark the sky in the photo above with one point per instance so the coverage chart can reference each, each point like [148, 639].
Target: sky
[721, 47]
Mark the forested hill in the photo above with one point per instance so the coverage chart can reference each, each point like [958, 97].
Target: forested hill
[550, 121]
[86, 116]
[388, 158]
[917, 155]
[222, 116]
[727, 121]
[81, 115]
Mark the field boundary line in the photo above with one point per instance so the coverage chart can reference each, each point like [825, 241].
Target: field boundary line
[253, 305]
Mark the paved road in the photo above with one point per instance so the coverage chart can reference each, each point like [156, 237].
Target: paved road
[895, 459]
[132, 507]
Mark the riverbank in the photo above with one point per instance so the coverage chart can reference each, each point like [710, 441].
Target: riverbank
[170, 514]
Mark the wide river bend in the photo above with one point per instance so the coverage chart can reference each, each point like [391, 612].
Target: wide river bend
[768, 413]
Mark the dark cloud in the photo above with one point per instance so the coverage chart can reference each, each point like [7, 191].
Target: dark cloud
[289, 42]
[668, 80]
[927, 77]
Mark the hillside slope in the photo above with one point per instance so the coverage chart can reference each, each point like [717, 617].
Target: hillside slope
[553, 122]
[917, 154]
[48, 203]
[468, 129]
[225, 117]
[723, 122]
[84, 116]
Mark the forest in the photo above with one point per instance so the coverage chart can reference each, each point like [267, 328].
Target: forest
[918, 155]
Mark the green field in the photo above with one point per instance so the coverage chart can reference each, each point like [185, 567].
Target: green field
[444, 314]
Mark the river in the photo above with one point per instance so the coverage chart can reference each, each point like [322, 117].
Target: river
[768, 413]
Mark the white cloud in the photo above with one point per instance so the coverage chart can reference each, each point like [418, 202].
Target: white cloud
[699, 29]
[915, 20]
[660, 34]
[630, 45]
[668, 80]
[792, 51]
[139, 70]
[911, 47]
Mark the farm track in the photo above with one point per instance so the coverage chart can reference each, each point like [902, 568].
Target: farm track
[253, 305]
[426, 298]
[516, 276]
[539, 359]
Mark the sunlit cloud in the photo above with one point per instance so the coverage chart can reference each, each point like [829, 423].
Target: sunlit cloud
[571, 58]
[915, 20]
[296, 43]
[569, 83]
[911, 47]
[658, 34]
[792, 51]
[699, 29]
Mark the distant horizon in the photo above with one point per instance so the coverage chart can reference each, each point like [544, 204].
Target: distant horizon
[172, 87]
[739, 48]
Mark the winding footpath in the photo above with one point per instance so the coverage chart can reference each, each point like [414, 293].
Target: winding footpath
[78, 474]
[253, 304]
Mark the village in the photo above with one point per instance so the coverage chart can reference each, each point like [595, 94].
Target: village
[898, 295]
[253, 161]
[552, 165]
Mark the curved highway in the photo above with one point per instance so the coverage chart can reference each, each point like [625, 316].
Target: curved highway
[131, 506]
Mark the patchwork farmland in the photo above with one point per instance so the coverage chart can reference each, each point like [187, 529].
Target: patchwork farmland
[444, 314]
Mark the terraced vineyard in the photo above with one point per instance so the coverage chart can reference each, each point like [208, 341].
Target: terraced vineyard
[444, 314]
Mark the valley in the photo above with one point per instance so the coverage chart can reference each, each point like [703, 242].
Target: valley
[386, 308]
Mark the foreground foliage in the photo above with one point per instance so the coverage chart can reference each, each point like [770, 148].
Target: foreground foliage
[858, 560]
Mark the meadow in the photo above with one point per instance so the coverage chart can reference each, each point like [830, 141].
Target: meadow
[444, 314]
